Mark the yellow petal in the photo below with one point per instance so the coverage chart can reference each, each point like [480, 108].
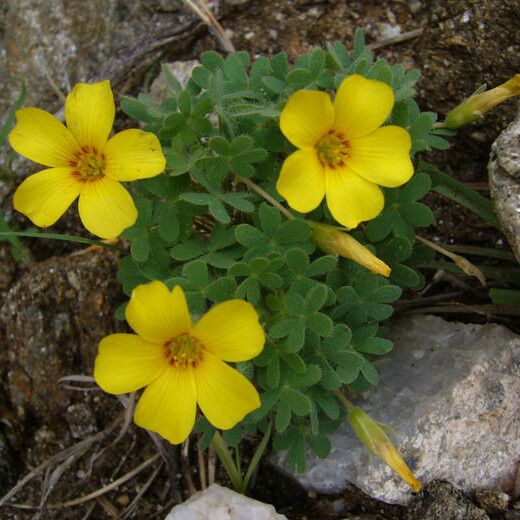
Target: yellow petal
[307, 116]
[89, 113]
[106, 208]
[231, 331]
[133, 154]
[45, 196]
[168, 405]
[42, 138]
[361, 105]
[157, 314]
[382, 157]
[125, 362]
[224, 395]
[350, 198]
[302, 180]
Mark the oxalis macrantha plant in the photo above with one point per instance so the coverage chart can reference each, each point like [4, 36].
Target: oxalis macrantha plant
[272, 219]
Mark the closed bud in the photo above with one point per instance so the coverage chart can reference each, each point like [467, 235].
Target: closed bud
[481, 102]
[374, 437]
[336, 242]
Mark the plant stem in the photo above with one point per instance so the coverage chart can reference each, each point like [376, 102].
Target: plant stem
[265, 195]
[344, 401]
[225, 457]
[58, 236]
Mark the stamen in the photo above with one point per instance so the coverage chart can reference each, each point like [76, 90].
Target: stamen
[89, 166]
[183, 351]
[333, 149]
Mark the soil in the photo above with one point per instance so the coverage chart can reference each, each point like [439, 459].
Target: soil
[462, 44]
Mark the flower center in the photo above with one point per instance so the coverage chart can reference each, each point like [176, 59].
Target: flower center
[89, 164]
[183, 351]
[332, 149]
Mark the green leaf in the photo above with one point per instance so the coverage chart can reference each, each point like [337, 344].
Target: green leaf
[280, 65]
[456, 191]
[274, 84]
[212, 60]
[273, 372]
[370, 373]
[184, 102]
[140, 248]
[168, 222]
[282, 417]
[297, 401]
[320, 445]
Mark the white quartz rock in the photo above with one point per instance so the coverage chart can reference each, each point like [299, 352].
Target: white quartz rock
[220, 503]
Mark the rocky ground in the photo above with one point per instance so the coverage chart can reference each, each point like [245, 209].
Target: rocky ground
[56, 308]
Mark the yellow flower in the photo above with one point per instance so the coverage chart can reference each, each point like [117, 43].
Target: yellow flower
[182, 364]
[343, 154]
[335, 242]
[479, 103]
[376, 440]
[83, 162]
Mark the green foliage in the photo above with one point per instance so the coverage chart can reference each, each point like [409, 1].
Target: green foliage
[200, 227]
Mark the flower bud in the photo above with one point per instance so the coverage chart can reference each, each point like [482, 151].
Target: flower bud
[373, 436]
[335, 242]
[481, 102]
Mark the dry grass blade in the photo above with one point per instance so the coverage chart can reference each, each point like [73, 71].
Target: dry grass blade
[63, 455]
[130, 509]
[108, 487]
[460, 261]
[201, 9]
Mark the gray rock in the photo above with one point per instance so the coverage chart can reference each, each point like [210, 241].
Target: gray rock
[52, 44]
[180, 69]
[450, 390]
[220, 503]
[441, 501]
[504, 182]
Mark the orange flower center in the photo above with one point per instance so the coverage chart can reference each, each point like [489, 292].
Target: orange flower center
[183, 351]
[332, 149]
[89, 164]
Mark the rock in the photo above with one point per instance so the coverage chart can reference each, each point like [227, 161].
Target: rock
[441, 501]
[182, 72]
[220, 503]
[450, 391]
[492, 500]
[504, 182]
[53, 318]
[52, 44]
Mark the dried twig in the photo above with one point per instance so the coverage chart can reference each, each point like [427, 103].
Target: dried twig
[397, 39]
[202, 469]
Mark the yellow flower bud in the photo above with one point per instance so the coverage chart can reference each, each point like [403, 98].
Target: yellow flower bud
[481, 102]
[335, 242]
[373, 436]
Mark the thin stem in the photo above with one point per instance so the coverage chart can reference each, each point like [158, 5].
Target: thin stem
[58, 236]
[460, 261]
[256, 458]
[227, 461]
[344, 401]
[265, 195]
